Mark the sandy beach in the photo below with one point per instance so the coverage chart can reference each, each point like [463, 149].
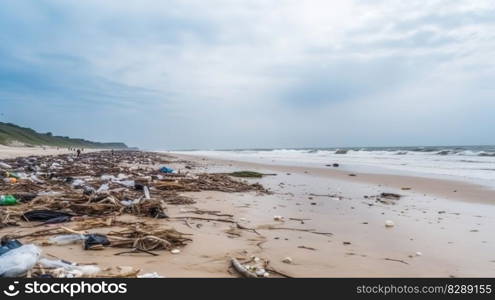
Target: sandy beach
[442, 228]
[331, 225]
[13, 152]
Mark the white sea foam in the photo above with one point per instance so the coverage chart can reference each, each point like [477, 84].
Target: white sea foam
[472, 164]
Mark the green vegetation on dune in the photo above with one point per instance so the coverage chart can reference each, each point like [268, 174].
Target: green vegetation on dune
[13, 134]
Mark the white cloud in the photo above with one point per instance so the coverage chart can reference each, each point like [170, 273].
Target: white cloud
[288, 73]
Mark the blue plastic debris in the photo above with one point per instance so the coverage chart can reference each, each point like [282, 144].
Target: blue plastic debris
[166, 170]
[9, 245]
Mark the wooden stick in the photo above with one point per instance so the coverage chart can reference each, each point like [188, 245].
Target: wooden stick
[304, 247]
[70, 230]
[246, 228]
[241, 269]
[205, 219]
[187, 223]
[136, 250]
[298, 229]
[397, 260]
[270, 269]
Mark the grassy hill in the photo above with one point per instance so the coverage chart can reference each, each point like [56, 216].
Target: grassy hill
[12, 134]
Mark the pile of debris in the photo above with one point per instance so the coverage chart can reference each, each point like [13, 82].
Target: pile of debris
[89, 192]
[208, 182]
[101, 184]
[18, 260]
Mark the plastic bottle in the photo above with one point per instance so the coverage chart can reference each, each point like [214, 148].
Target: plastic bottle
[10, 180]
[67, 239]
[12, 175]
[7, 200]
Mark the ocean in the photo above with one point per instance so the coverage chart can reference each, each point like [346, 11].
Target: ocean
[468, 163]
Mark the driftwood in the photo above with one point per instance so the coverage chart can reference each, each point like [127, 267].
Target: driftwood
[204, 219]
[308, 248]
[147, 238]
[397, 260]
[270, 269]
[241, 269]
[270, 227]
[209, 212]
[137, 250]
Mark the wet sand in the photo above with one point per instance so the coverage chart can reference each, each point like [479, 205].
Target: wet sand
[435, 234]
[450, 230]
[448, 189]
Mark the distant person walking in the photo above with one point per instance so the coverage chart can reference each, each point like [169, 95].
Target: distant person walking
[78, 152]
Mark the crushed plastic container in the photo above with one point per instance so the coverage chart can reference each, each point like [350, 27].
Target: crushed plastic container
[166, 170]
[77, 182]
[146, 191]
[5, 166]
[10, 180]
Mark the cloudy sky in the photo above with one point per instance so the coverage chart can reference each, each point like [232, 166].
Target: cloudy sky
[251, 73]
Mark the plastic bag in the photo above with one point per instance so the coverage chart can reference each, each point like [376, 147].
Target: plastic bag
[88, 190]
[103, 188]
[69, 270]
[9, 245]
[126, 183]
[46, 215]
[5, 166]
[18, 261]
[94, 240]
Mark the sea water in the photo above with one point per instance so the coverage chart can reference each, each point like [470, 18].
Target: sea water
[470, 163]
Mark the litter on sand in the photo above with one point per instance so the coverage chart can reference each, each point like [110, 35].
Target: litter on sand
[99, 200]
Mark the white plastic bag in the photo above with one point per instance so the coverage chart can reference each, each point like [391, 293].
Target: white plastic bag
[69, 270]
[17, 262]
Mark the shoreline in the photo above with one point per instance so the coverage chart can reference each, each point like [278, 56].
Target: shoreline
[455, 233]
[332, 225]
[446, 188]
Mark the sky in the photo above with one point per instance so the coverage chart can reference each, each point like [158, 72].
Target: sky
[225, 74]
